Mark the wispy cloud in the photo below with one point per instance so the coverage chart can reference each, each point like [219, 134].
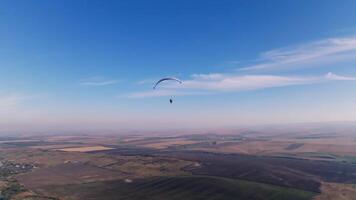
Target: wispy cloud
[310, 54]
[331, 76]
[8, 100]
[11, 100]
[146, 81]
[246, 82]
[217, 83]
[160, 93]
[328, 50]
[98, 81]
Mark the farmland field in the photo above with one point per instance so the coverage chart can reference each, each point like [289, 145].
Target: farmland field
[176, 188]
[85, 149]
[205, 166]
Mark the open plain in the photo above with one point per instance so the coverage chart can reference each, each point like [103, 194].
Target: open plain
[181, 166]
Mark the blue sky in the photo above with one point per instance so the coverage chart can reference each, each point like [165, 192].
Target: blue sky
[91, 64]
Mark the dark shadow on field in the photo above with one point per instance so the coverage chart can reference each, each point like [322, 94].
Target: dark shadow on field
[282, 171]
[178, 188]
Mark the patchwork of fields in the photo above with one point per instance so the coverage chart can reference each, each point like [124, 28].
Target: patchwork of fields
[178, 167]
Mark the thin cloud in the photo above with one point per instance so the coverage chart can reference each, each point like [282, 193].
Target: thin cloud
[8, 101]
[216, 83]
[300, 56]
[323, 51]
[212, 76]
[245, 82]
[98, 81]
[159, 93]
[146, 81]
[334, 77]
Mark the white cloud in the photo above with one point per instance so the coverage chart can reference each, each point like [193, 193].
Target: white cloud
[309, 54]
[323, 51]
[331, 76]
[245, 82]
[98, 81]
[213, 76]
[215, 83]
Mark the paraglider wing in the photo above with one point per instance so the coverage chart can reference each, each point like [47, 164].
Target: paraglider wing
[166, 79]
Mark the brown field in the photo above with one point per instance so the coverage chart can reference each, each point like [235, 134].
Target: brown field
[62, 160]
[69, 138]
[296, 146]
[335, 191]
[156, 143]
[56, 146]
[275, 147]
[335, 141]
[60, 167]
[167, 143]
[69, 173]
[20, 140]
[85, 149]
[86, 140]
[45, 158]
[131, 138]
[143, 167]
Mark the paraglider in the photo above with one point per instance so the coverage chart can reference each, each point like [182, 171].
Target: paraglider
[167, 79]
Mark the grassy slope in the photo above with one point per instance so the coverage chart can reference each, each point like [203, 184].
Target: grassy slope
[177, 188]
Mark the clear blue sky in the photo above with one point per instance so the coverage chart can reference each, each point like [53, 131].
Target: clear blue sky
[92, 64]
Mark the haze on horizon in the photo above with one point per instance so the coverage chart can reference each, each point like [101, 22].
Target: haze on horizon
[75, 65]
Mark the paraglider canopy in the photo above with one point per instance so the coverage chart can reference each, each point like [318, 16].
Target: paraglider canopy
[166, 79]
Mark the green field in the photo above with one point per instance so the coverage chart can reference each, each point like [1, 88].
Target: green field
[178, 188]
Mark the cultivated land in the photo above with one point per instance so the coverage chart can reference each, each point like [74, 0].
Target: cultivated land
[177, 188]
[85, 149]
[241, 165]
